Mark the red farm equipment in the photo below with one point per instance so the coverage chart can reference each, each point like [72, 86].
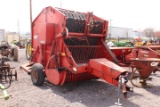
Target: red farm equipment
[70, 46]
[143, 59]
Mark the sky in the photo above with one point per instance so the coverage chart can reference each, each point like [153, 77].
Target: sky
[135, 14]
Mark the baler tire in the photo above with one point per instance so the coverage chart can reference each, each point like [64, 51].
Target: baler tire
[37, 74]
[28, 50]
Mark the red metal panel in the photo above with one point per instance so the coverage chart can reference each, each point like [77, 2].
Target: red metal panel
[106, 70]
[145, 66]
[131, 55]
[56, 17]
[55, 77]
[49, 23]
[50, 32]
[143, 53]
[60, 77]
[119, 51]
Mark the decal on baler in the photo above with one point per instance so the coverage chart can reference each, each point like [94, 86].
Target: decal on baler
[42, 42]
[154, 63]
[35, 36]
[145, 55]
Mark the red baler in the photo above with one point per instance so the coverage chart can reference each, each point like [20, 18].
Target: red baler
[70, 46]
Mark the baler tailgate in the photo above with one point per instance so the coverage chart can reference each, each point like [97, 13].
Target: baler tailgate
[106, 70]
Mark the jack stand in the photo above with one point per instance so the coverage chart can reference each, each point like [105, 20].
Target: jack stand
[119, 89]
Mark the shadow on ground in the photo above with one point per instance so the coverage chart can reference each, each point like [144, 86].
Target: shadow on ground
[92, 93]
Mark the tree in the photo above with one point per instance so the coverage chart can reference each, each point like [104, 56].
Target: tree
[148, 32]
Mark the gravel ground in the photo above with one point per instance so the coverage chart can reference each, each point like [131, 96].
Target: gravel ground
[93, 93]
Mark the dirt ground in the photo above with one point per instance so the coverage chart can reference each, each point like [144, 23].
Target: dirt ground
[93, 93]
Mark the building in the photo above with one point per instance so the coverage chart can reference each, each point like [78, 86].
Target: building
[119, 32]
[157, 34]
[10, 36]
[2, 34]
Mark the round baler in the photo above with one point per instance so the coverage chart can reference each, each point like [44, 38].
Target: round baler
[70, 46]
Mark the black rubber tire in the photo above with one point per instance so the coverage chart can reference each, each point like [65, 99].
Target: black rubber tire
[28, 57]
[13, 56]
[15, 53]
[37, 74]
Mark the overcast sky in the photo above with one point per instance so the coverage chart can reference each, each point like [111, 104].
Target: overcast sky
[136, 14]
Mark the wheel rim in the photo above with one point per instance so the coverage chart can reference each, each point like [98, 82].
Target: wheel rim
[29, 50]
[34, 75]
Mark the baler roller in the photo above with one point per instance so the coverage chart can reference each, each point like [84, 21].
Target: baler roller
[70, 77]
[76, 22]
[75, 25]
[74, 15]
[82, 54]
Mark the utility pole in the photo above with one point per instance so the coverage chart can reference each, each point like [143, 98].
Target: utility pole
[18, 31]
[60, 3]
[30, 3]
[126, 33]
[18, 27]
[110, 34]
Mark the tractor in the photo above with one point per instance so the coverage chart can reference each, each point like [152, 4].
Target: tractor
[9, 51]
